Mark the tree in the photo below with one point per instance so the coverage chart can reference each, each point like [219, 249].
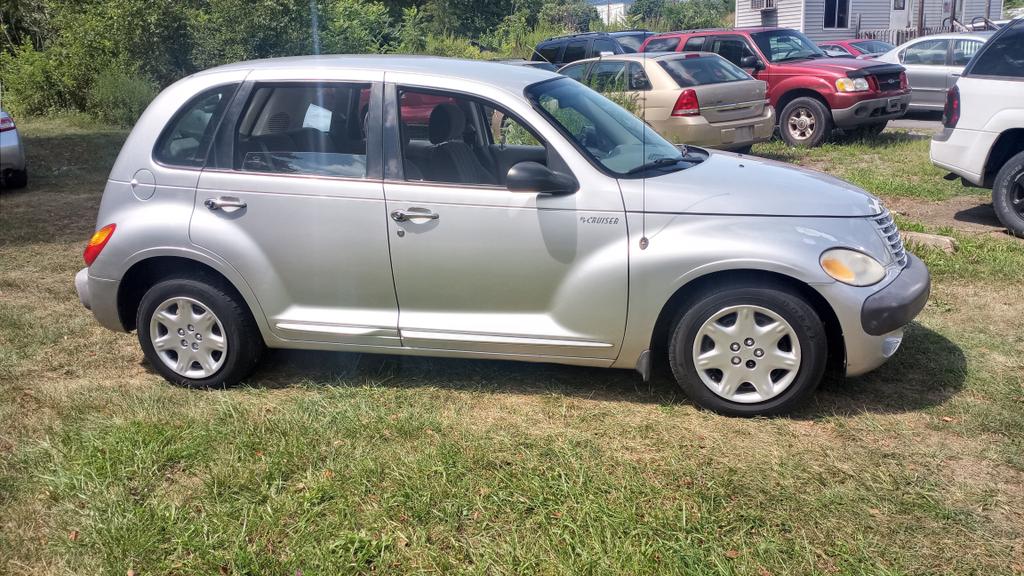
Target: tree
[572, 15]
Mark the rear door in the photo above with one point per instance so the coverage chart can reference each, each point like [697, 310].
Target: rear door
[928, 72]
[294, 201]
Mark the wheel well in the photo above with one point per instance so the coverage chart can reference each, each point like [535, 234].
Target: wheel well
[144, 274]
[689, 293]
[1007, 145]
[798, 93]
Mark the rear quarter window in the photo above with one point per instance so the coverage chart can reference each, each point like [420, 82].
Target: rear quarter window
[1003, 56]
[703, 70]
[662, 45]
[187, 138]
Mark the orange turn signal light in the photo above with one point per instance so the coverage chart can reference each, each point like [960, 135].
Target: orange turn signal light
[97, 242]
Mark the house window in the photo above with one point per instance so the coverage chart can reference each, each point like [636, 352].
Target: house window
[899, 4]
[837, 13]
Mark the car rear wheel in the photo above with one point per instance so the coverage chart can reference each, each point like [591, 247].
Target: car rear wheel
[198, 335]
[749, 351]
[1008, 195]
[805, 122]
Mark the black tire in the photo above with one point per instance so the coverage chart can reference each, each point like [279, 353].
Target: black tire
[245, 344]
[744, 149]
[807, 108]
[809, 329]
[1008, 195]
[16, 179]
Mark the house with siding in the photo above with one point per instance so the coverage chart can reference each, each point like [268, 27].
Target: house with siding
[823, 20]
[612, 11]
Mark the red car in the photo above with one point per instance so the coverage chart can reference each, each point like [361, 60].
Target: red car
[860, 48]
[811, 92]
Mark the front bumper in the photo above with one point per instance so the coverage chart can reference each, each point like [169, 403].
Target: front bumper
[894, 306]
[871, 111]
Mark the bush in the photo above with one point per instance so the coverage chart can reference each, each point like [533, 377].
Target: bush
[27, 86]
[120, 98]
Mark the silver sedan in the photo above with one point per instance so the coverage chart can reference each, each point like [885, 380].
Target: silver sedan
[933, 64]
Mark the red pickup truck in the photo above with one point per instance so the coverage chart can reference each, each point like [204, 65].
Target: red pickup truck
[811, 92]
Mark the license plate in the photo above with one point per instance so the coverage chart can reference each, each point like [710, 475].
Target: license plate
[743, 134]
[892, 105]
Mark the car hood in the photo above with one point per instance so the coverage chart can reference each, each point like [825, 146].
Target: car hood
[834, 66]
[736, 184]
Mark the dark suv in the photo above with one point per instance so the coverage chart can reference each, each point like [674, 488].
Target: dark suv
[811, 92]
[561, 50]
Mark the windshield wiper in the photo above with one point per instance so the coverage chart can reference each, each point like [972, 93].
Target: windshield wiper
[657, 163]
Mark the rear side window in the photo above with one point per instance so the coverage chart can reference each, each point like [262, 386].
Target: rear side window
[574, 71]
[608, 77]
[315, 129]
[605, 45]
[927, 52]
[705, 70]
[694, 44]
[575, 51]
[187, 138]
[1003, 56]
[547, 52]
[662, 45]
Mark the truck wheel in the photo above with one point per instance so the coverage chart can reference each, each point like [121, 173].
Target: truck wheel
[198, 335]
[1008, 195]
[805, 122]
[749, 351]
[869, 130]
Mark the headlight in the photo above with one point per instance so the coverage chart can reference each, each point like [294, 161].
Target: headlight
[852, 84]
[851, 267]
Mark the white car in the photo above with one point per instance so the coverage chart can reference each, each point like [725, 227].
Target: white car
[983, 138]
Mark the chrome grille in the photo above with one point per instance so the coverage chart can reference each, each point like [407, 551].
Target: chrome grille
[891, 234]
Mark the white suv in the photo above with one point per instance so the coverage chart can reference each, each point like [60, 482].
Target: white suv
[983, 138]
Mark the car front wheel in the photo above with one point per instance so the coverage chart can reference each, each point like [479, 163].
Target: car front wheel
[749, 351]
[1008, 195]
[805, 122]
[198, 335]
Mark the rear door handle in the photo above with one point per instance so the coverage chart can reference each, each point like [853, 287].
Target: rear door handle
[414, 214]
[224, 202]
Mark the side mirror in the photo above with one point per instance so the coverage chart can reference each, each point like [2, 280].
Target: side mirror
[538, 178]
[751, 62]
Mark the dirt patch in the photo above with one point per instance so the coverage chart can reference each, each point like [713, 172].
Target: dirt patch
[970, 214]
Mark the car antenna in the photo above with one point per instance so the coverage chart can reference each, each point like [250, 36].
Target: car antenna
[644, 242]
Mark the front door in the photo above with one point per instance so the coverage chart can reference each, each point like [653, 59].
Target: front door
[928, 72]
[898, 14]
[296, 205]
[481, 269]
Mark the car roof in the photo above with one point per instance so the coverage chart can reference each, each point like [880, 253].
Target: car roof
[748, 30]
[495, 73]
[644, 56]
[954, 35]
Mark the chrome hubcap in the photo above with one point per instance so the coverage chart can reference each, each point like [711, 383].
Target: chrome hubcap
[188, 337]
[746, 354]
[801, 124]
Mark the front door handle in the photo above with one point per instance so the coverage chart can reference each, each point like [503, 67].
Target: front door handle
[413, 214]
[224, 202]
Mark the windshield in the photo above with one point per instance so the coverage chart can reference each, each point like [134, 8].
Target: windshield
[784, 45]
[610, 135]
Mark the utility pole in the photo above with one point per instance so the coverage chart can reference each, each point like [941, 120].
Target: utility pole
[920, 18]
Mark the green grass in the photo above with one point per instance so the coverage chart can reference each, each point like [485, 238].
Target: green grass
[341, 463]
[890, 164]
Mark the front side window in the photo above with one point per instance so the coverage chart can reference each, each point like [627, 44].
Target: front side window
[187, 139]
[689, 72]
[610, 136]
[608, 77]
[602, 45]
[835, 51]
[927, 53]
[785, 45]
[694, 44]
[662, 45]
[466, 141]
[837, 13]
[1004, 55]
[964, 50]
[311, 129]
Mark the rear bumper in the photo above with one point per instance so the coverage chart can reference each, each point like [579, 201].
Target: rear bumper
[871, 111]
[963, 152]
[733, 134]
[100, 296]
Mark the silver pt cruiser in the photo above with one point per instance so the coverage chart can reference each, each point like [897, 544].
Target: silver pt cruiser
[427, 206]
